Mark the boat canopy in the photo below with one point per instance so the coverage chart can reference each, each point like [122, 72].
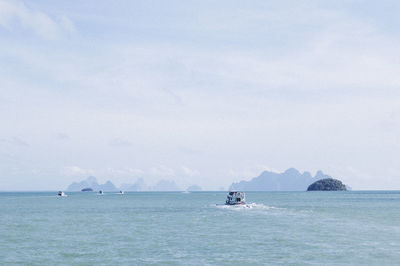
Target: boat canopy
[235, 197]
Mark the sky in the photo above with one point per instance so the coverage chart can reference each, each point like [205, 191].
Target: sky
[199, 92]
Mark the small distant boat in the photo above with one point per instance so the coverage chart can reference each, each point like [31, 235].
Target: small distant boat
[61, 194]
[101, 192]
[121, 192]
[235, 198]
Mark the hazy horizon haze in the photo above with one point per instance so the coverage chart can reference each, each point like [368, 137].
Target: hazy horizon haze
[198, 92]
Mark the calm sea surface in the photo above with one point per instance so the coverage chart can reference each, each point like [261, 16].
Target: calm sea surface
[286, 228]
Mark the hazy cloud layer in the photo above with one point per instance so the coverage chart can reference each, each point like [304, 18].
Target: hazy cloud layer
[16, 16]
[198, 92]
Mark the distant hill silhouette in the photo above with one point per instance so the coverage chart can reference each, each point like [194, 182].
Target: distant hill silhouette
[194, 188]
[91, 182]
[290, 180]
[166, 185]
[162, 185]
[139, 185]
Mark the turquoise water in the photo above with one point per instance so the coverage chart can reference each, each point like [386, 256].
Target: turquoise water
[286, 228]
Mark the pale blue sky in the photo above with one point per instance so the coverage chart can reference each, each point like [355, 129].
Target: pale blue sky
[200, 92]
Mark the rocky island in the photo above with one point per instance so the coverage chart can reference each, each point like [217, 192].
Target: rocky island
[290, 180]
[327, 184]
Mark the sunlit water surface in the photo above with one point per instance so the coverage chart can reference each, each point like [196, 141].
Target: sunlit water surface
[319, 228]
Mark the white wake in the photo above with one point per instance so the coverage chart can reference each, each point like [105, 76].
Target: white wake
[258, 206]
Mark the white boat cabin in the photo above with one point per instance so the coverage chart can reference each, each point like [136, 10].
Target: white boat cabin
[235, 198]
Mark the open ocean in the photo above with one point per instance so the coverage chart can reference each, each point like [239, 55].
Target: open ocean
[154, 228]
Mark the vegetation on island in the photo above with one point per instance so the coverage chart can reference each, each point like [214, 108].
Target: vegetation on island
[327, 184]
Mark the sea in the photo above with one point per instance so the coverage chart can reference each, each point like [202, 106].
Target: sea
[176, 228]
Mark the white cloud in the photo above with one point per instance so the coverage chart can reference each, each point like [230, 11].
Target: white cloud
[118, 142]
[62, 136]
[190, 172]
[249, 172]
[161, 171]
[15, 141]
[277, 85]
[77, 171]
[16, 15]
[68, 25]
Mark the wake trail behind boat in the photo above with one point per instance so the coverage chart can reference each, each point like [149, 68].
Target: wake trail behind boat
[258, 206]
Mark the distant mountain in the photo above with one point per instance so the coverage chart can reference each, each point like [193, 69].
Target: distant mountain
[162, 185]
[290, 180]
[108, 186]
[139, 185]
[166, 185]
[194, 188]
[91, 182]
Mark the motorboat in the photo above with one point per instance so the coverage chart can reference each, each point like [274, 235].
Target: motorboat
[101, 192]
[61, 194]
[121, 192]
[235, 198]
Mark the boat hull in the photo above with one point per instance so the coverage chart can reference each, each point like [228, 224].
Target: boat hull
[233, 204]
